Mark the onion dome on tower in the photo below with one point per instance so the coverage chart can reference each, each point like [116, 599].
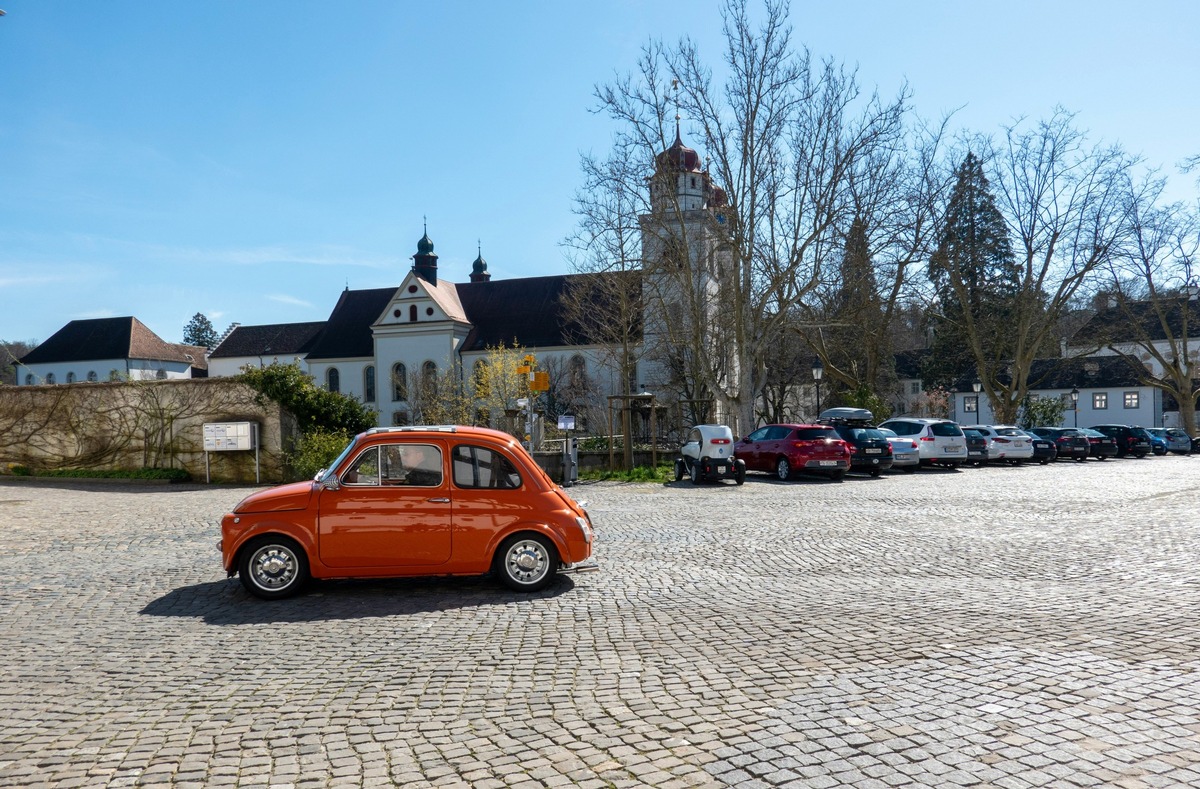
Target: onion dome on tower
[479, 272]
[425, 262]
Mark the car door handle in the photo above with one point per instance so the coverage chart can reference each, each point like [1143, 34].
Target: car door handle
[438, 501]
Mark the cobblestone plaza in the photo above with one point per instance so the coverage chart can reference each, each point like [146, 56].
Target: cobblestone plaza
[1003, 627]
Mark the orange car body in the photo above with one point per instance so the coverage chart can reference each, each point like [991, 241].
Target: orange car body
[366, 517]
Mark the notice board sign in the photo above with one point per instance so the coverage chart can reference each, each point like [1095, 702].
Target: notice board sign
[230, 436]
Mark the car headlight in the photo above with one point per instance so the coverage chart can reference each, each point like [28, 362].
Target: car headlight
[586, 528]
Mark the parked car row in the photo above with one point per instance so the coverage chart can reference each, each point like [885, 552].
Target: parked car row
[844, 440]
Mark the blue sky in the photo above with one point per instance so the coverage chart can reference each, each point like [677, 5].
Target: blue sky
[249, 160]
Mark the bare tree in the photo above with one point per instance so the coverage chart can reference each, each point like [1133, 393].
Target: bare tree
[1154, 314]
[1066, 205]
[783, 134]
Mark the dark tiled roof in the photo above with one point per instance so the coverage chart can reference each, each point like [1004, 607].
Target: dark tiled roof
[522, 312]
[1139, 321]
[908, 363]
[347, 333]
[274, 339]
[1082, 372]
[110, 338]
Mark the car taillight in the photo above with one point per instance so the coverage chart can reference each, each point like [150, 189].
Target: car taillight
[999, 440]
[927, 438]
[719, 441]
[914, 445]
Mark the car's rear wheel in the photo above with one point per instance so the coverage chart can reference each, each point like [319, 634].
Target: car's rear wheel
[694, 471]
[783, 469]
[837, 476]
[273, 567]
[739, 474]
[875, 472]
[526, 562]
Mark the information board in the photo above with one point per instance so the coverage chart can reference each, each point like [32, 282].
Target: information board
[230, 436]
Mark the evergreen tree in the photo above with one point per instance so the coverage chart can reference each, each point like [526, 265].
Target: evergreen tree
[976, 280]
[199, 331]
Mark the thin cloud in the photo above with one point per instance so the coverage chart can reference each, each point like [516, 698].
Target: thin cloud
[285, 299]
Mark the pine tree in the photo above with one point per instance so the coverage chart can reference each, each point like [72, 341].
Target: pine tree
[976, 279]
[199, 331]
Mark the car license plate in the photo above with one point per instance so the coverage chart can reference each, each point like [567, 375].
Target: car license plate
[953, 450]
[828, 462]
[873, 451]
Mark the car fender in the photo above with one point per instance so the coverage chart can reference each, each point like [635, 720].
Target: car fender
[545, 529]
[268, 525]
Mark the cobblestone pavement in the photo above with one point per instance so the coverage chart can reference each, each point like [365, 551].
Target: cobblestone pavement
[1006, 627]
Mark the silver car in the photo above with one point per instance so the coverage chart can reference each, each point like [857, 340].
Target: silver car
[939, 441]
[906, 454]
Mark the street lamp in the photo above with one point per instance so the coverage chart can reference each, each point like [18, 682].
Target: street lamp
[818, 371]
[1075, 405]
[976, 387]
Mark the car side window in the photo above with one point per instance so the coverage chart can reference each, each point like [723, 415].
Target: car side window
[417, 465]
[777, 433]
[364, 470]
[479, 467]
[758, 435]
[904, 428]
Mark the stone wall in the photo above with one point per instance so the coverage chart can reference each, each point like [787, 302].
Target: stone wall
[140, 424]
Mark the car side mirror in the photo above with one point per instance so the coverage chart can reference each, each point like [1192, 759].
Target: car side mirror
[331, 483]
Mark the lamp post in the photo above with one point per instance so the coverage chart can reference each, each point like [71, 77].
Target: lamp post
[818, 371]
[976, 388]
[1075, 405]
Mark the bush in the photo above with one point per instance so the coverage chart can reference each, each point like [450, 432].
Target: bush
[314, 408]
[316, 450]
[168, 474]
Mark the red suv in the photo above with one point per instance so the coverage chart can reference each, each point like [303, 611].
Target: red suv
[785, 449]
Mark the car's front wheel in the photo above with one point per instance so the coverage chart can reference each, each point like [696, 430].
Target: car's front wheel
[678, 470]
[526, 562]
[739, 474]
[273, 567]
[783, 469]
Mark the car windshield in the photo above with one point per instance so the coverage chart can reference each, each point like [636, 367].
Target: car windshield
[1009, 431]
[814, 433]
[329, 472]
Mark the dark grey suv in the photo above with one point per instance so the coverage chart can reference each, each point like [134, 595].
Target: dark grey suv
[1130, 440]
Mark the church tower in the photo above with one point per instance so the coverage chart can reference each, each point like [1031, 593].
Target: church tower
[684, 244]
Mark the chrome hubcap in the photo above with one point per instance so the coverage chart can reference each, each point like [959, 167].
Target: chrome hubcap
[527, 562]
[273, 567]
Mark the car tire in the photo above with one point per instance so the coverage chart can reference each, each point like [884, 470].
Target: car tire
[874, 472]
[1080, 460]
[783, 469]
[694, 472]
[837, 476]
[526, 562]
[739, 474]
[1139, 455]
[273, 567]
[1102, 457]
[678, 470]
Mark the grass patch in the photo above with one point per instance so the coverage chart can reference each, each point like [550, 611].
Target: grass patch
[168, 474]
[664, 473]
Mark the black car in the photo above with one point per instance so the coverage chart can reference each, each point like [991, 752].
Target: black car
[977, 446]
[870, 450]
[1044, 450]
[1101, 447]
[1130, 441]
[1069, 441]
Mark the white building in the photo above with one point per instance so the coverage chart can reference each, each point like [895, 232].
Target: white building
[108, 349]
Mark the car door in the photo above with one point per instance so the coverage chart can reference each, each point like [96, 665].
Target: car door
[388, 511]
[749, 449]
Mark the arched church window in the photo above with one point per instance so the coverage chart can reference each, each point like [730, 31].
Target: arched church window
[333, 380]
[412, 312]
[399, 383]
[92, 376]
[50, 378]
[369, 384]
[71, 377]
[429, 378]
[578, 371]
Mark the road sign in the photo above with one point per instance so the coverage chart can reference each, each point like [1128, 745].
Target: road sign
[540, 382]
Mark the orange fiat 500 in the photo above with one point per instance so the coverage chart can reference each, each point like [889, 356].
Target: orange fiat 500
[410, 501]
